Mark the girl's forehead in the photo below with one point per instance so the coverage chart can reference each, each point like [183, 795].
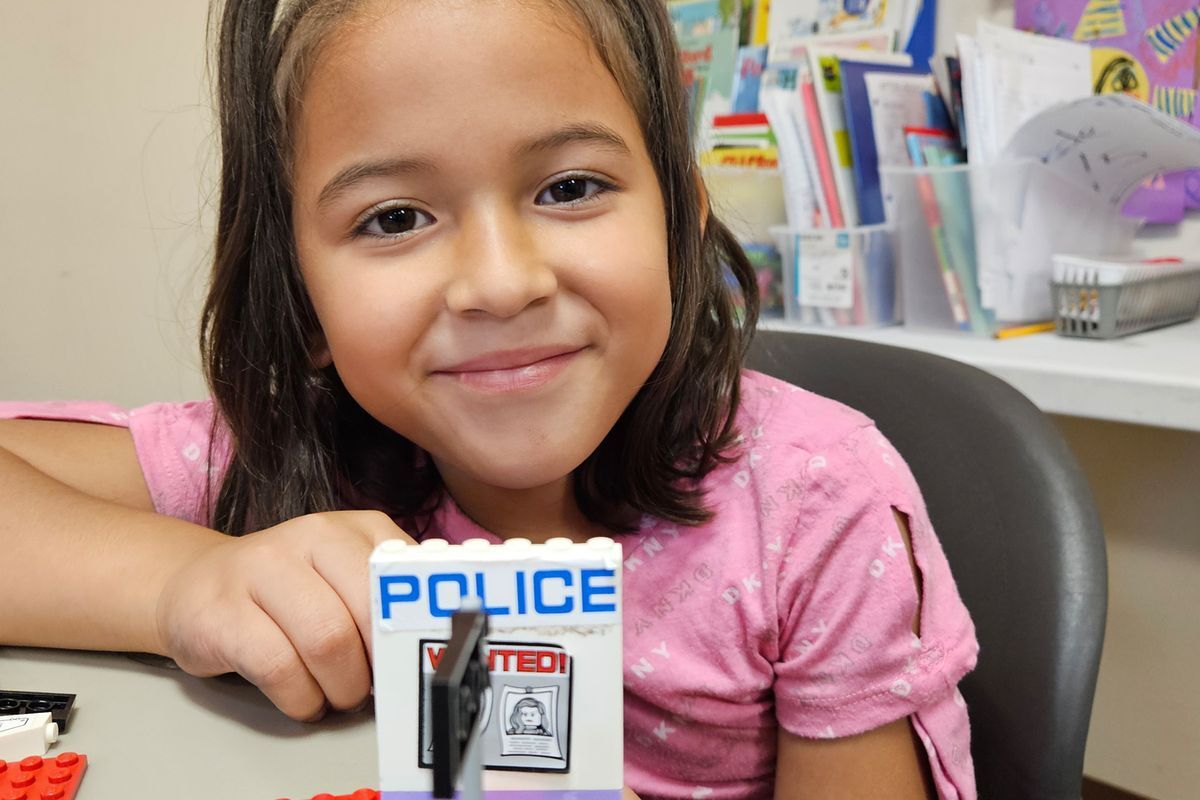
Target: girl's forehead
[420, 70]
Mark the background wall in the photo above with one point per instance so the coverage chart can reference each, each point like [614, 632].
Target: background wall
[107, 168]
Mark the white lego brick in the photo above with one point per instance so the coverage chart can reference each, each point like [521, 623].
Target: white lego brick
[554, 652]
[24, 735]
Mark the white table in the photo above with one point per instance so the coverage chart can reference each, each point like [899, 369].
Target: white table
[150, 731]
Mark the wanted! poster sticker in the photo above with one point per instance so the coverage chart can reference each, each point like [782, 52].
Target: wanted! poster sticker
[526, 710]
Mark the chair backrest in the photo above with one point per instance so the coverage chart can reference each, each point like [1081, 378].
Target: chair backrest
[1021, 532]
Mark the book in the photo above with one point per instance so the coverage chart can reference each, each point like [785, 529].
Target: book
[743, 157]
[708, 65]
[747, 78]
[827, 81]
[861, 130]
[795, 48]
[792, 18]
[741, 130]
[707, 32]
[782, 107]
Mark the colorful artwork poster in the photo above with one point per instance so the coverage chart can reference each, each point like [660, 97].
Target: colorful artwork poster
[1146, 48]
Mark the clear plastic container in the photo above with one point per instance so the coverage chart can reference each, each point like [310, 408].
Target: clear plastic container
[974, 245]
[838, 277]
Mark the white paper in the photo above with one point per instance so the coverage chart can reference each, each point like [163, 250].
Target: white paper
[1108, 144]
[897, 102]
[1019, 75]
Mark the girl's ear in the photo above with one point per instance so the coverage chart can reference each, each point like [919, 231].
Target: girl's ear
[319, 351]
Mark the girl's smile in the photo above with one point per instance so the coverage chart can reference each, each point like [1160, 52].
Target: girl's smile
[509, 371]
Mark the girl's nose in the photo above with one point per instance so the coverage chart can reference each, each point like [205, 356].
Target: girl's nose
[500, 270]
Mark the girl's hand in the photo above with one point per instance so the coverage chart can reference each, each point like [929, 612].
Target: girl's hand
[288, 608]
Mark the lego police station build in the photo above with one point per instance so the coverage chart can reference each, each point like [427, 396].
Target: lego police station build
[553, 655]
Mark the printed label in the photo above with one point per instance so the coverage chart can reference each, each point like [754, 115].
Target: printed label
[824, 269]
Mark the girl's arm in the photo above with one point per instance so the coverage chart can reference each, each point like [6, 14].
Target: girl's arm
[96, 569]
[76, 522]
[885, 762]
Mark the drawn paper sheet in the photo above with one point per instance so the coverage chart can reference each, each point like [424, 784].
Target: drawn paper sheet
[1108, 144]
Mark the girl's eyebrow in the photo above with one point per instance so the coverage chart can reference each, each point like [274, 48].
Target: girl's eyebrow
[580, 132]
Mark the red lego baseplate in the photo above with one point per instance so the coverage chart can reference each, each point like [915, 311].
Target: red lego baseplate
[361, 794]
[37, 778]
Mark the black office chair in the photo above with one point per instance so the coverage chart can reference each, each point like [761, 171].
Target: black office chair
[1019, 527]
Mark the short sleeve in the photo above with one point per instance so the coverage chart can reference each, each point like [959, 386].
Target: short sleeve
[174, 443]
[849, 660]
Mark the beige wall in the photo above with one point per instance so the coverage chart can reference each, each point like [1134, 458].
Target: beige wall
[106, 175]
[106, 164]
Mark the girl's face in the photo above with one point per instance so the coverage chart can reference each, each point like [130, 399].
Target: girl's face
[482, 234]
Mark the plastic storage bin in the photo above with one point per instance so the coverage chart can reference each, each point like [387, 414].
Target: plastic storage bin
[1096, 300]
[835, 277]
[975, 245]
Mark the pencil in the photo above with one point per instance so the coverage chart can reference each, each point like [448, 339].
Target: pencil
[1024, 330]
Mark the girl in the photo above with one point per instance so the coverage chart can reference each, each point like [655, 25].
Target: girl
[466, 284]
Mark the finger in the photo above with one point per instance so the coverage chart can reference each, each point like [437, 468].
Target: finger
[322, 631]
[379, 527]
[267, 659]
[347, 569]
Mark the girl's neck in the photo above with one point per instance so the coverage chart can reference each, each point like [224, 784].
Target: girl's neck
[537, 514]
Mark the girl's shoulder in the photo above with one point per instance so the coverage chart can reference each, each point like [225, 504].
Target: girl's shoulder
[793, 416]
[182, 447]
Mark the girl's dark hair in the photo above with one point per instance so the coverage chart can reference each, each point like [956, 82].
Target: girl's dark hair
[300, 442]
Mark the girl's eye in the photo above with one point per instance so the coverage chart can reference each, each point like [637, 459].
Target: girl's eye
[392, 223]
[572, 191]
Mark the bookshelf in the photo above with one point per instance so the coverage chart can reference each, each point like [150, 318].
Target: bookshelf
[1151, 378]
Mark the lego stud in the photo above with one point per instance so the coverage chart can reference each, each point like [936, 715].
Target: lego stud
[436, 545]
[67, 759]
[601, 542]
[559, 543]
[518, 542]
[477, 544]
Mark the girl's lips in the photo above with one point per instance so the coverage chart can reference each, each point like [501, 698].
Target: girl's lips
[487, 377]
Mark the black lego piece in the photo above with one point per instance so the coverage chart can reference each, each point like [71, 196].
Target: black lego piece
[59, 705]
[458, 686]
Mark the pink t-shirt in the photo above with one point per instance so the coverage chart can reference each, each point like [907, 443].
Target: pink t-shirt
[792, 607]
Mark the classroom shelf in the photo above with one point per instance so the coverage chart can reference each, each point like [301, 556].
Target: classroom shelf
[1150, 378]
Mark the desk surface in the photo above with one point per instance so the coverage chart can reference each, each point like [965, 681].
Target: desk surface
[151, 731]
[1150, 378]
